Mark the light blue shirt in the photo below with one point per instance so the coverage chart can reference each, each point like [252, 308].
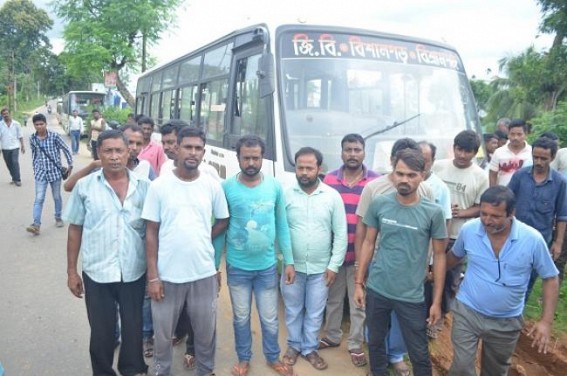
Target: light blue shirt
[441, 193]
[318, 228]
[257, 220]
[112, 245]
[496, 287]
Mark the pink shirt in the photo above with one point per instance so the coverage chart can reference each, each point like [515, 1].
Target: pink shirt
[154, 154]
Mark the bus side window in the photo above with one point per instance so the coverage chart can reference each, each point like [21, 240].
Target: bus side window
[213, 106]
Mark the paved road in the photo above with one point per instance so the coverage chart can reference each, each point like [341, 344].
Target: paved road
[44, 329]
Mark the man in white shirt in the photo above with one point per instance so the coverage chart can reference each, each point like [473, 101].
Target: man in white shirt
[507, 159]
[12, 144]
[75, 130]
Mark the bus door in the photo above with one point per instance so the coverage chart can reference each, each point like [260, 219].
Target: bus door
[250, 110]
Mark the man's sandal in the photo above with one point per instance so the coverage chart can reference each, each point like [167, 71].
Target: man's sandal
[358, 357]
[325, 343]
[189, 361]
[240, 369]
[290, 356]
[281, 368]
[315, 360]
[401, 369]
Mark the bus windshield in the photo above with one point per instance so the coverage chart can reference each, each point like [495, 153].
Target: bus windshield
[332, 84]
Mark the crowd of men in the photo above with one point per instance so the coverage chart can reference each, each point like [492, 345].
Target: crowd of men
[152, 223]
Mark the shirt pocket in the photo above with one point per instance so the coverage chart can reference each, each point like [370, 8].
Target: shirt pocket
[516, 274]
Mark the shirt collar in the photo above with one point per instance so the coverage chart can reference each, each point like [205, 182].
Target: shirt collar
[340, 172]
[317, 190]
[514, 230]
[549, 174]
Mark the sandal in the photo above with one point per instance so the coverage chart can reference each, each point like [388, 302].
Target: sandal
[431, 332]
[240, 369]
[325, 343]
[148, 347]
[358, 357]
[189, 361]
[315, 360]
[290, 356]
[282, 369]
[401, 369]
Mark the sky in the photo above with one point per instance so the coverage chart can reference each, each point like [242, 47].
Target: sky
[482, 31]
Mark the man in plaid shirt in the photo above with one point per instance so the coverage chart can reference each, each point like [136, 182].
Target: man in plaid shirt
[46, 147]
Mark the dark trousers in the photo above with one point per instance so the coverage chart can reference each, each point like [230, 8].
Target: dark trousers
[101, 299]
[411, 317]
[11, 157]
[184, 327]
[94, 152]
[561, 261]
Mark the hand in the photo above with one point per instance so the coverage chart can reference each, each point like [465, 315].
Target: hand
[540, 332]
[455, 210]
[434, 315]
[23, 150]
[358, 296]
[289, 274]
[330, 277]
[95, 164]
[556, 250]
[219, 280]
[155, 290]
[75, 284]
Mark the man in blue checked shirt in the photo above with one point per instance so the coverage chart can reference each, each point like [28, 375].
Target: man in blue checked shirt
[46, 147]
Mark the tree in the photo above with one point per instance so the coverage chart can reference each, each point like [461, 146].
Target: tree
[110, 35]
[23, 39]
[554, 19]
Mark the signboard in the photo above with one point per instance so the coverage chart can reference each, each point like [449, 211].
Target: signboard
[110, 79]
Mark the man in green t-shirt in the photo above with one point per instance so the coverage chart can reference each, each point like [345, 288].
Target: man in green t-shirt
[406, 223]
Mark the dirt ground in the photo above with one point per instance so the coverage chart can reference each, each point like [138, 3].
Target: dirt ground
[525, 362]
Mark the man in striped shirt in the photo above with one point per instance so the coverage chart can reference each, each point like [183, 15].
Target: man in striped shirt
[348, 180]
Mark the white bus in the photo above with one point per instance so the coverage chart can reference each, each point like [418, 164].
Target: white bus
[300, 85]
[82, 101]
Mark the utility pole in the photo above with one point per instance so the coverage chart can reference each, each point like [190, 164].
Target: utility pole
[143, 52]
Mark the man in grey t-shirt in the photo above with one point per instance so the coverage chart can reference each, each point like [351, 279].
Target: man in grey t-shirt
[406, 223]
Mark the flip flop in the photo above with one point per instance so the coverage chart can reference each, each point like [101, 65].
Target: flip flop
[240, 369]
[325, 343]
[401, 369]
[189, 361]
[358, 357]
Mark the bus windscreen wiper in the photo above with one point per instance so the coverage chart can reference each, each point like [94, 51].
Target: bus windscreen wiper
[392, 126]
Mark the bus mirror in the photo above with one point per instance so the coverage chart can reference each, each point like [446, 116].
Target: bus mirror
[265, 74]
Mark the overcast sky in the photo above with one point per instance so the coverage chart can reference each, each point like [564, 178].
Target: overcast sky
[482, 31]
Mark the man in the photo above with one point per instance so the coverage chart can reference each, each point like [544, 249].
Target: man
[490, 144]
[466, 182]
[511, 157]
[348, 180]
[503, 124]
[407, 224]
[98, 125]
[317, 224]
[540, 198]
[442, 196]
[46, 147]
[105, 225]
[131, 119]
[258, 219]
[396, 348]
[75, 128]
[151, 150]
[501, 253]
[181, 263]
[502, 137]
[12, 142]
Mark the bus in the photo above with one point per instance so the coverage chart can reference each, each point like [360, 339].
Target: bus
[82, 101]
[306, 85]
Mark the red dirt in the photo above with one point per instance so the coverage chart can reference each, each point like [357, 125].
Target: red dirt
[526, 361]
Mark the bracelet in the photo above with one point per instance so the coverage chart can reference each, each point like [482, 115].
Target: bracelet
[153, 280]
[359, 283]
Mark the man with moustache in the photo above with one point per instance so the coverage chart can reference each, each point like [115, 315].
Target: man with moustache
[151, 150]
[181, 263]
[257, 220]
[317, 224]
[407, 224]
[501, 253]
[540, 198]
[349, 180]
[105, 226]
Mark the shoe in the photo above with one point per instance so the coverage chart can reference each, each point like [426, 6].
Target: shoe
[33, 228]
[148, 347]
[59, 222]
[18, 183]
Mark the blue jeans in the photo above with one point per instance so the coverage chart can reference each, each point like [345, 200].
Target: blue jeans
[147, 323]
[264, 284]
[305, 302]
[395, 345]
[40, 190]
[412, 318]
[75, 138]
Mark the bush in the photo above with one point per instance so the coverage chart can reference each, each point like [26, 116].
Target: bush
[552, 121]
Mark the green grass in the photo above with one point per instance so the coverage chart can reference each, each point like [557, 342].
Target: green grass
[25, 109]
[533, 308]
